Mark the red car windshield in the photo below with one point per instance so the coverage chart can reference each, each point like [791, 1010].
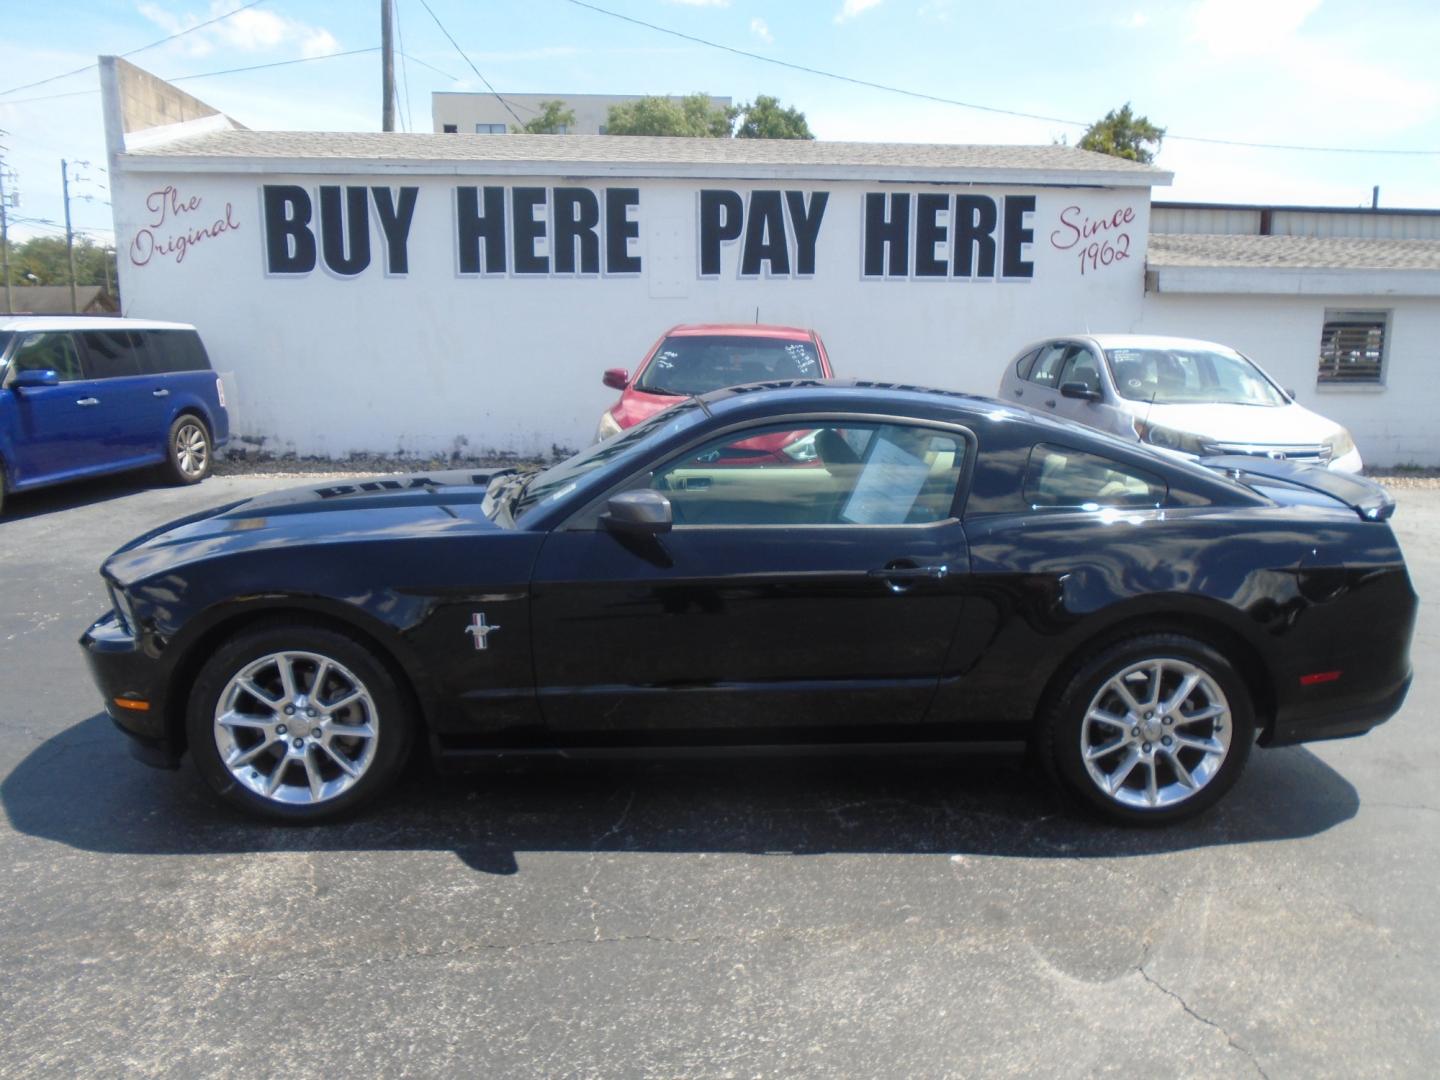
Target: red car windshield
[698, 364]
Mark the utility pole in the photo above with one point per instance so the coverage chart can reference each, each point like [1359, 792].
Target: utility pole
[5, 238]
[69, 233]
[387, 67]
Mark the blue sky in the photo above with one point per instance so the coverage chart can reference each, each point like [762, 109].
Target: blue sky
[1311, 72]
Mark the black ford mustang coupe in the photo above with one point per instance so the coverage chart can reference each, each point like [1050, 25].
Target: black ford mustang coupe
[780, 566]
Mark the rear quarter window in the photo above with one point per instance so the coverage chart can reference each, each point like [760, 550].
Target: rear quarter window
[1025, 363]
[170, 351]
[1058, 476]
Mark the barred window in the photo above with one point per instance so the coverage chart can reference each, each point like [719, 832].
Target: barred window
[1352, 347]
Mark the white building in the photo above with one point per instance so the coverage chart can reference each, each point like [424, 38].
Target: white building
[387, 292]
[454, 112]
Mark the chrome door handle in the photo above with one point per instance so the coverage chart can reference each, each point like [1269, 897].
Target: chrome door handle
[159, 393]
[911, 572]
[87, 401]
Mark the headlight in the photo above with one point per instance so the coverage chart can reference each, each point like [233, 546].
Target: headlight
[1340, 444]
[121, 603]
[608, 427]
[1171, 439]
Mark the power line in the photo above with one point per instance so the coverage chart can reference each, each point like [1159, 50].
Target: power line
[473, 68]
[970, 104]
[432, 67]
[206, 74]
[142, 48]
[409, 117]
[274, 64]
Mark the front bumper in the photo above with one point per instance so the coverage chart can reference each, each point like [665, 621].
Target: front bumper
[123, 669]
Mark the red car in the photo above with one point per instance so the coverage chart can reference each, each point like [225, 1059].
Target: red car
[697, 359]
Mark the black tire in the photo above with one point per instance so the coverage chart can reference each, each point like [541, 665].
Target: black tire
[189, 450]
[1065, 733]
[383, 710]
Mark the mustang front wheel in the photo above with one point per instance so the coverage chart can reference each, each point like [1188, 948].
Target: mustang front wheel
[296, 722]
[1151, 730]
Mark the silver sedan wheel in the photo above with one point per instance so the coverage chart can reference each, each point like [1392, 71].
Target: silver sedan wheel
[1156, 733]
[192, 449]
[296, 727]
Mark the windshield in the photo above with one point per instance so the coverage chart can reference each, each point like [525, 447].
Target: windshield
[574, 472]
[1190, 377]
[698, 364]
[5, 336]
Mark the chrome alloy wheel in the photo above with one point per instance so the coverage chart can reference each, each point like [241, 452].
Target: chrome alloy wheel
[1155, 733]
[296, 727]
[192, 449]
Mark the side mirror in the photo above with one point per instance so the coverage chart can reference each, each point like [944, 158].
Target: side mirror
[1290, 393]
[643, 512]
[1080, 391]
[44, 377]
[616, 378]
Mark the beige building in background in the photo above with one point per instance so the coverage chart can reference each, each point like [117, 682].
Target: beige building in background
[484, 114]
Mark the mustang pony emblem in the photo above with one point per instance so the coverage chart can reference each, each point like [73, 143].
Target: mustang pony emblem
[480, 630]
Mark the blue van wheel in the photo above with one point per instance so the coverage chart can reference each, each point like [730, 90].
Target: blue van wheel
[188, 450]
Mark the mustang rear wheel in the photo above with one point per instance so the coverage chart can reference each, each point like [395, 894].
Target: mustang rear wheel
[296, 722]
[1151, 730]
[188, 453]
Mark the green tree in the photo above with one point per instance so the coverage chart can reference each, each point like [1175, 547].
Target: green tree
[1122, 134]
[44, 256]
[691, 116]
[553, 117]
[765, 118]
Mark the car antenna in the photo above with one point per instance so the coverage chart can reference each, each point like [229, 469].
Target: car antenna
[698, 400]
[757, 314]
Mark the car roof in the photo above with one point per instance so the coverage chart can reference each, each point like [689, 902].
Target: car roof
[1134, 341]
[826, 394]
[792, 333]
[85, 322]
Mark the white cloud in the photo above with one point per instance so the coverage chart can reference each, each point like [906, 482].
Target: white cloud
[1231, 28]
[761, 30]
[253, 30]
[1135, 21]
[852, 8]
[938, 11]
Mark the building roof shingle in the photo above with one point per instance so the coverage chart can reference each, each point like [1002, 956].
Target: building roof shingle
[1290, 252]
[642, 155]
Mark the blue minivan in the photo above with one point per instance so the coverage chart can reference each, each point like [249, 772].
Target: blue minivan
[81, 396]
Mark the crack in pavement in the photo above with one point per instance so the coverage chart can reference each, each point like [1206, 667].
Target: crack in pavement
[597, 866]
[1402, 806]
[1203, 1019]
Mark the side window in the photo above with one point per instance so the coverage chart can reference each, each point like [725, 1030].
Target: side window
[846, 474]
[1048, 365]
[52, 351]
[169, 351]
[1081, 366]
[1024, 365]
[112, 354]
[1058, 476]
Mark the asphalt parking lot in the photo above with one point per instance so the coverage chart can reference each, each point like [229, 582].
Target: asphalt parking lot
[893, 918]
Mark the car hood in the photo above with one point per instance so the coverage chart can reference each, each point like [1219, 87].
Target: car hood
[1254, 424]
[636, 405]
[389, 507]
